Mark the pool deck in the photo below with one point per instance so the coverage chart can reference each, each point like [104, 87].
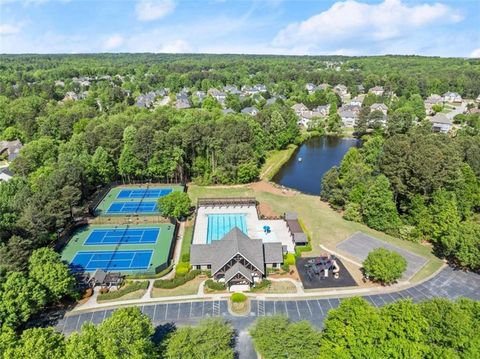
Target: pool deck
[279, 228]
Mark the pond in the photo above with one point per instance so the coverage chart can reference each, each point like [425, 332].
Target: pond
[305, 169]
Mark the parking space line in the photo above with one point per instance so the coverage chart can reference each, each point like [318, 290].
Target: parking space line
[203, 308]
[178, 311]
[154, 311]
[191, 305]
[330, 304]
[166, 312]
[298, 311]
[78, 319]
[320, 307]
[308, 305]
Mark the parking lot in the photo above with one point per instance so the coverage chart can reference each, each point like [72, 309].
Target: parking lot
[359, 245]
[449, 283]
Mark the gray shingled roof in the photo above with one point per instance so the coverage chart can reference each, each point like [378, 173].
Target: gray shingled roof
[300, 238]
[273, 252]
[291, 215]
[218, 253]
[441, 118]
[238, 268]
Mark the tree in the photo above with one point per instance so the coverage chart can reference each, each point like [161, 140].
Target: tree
[84, 344]
[247, 172]
[46, 267]
[353, 330]
[15, 253]
[175, 204]
[378, 208]
[126, 334]
[102, 166]
[38, 343]
[19, 299]
[384, 266]
[275, 337]
[211, 339]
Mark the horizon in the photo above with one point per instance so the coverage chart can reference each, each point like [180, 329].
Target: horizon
[352, 28]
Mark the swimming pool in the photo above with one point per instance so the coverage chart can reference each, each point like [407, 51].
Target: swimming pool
[221, 224]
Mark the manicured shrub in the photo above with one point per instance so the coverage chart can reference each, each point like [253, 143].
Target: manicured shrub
[213, 285]
[238, 298]
[384, 266]
[186, 257]
[128, 288]
[182, 268]
[289, 259]
[285, 267]
[262, 285]
[177, 281]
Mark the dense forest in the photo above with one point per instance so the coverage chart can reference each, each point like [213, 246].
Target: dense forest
[80, 126]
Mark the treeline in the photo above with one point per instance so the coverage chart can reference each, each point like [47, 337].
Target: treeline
[126, 334]
[286, 75]
[435, 328]
[415, 184]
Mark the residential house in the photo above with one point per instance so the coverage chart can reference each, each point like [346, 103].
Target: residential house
[478, 99]
[252, 111]
[232, 90]
[349, 118]
[218, 95]
[341, 90]
[227, 111]
[452, 97]
[323, 87]
[271, 101]
[182, 103]
[146, 100]
[5, 174]
[261, 88]
[9, 150]
[377, 90]
[323, 110]
[379, 107]
[237, 260]
[441, 123]
[357, 101]
[59, 83]
[431, 101]
[200, 95]
[354, 108]
[311, 88]
[360, 89]
[299, 109]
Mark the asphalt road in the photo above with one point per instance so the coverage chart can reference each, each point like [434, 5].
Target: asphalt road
[449, 283]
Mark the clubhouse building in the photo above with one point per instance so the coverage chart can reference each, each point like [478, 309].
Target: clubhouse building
[236, 259]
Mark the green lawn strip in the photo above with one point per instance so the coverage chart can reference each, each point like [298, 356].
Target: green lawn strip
[187, 241]
[113, 193]
[275, 160]
[326, 226]
[161, 248]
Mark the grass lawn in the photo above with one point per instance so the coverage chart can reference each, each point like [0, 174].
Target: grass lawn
[129, 296]
[188, 288]
[279, 288]
[275, 160]
[187, 239]
[326, 226]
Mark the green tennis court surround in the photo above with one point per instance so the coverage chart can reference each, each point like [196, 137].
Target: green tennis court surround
[125, 248]
[134, 200]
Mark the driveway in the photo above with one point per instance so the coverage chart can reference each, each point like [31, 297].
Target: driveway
[449, 283]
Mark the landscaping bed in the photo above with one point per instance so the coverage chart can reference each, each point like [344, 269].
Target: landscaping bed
[189, 288]
[132, 290]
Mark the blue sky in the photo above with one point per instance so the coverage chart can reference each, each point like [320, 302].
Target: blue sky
[303, 27]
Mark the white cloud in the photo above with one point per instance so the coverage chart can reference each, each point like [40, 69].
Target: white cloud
[153, 10]
[475, 53]
[113, 42]
[175, 47]
[352, 23]
[9, 29]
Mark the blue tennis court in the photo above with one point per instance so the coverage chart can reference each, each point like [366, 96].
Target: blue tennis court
[132, 207]
[144, 193]
[221, 224]
[123, 235]
[112, 260]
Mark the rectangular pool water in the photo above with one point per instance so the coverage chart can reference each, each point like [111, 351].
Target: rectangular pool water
[221, 224]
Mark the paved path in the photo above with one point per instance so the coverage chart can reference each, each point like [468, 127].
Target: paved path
[449, 283]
